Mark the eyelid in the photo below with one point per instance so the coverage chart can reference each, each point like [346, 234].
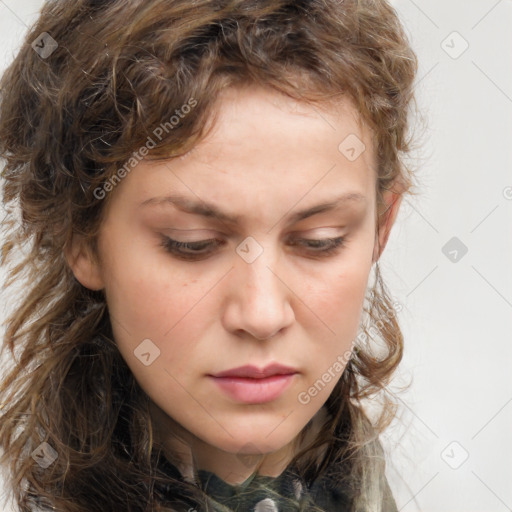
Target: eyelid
[199, 235]
[320, 231]
[208, 234]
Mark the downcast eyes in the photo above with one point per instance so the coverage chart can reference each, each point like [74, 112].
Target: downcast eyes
[203, 248]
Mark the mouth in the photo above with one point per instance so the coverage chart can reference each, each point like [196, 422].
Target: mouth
[253, 372]
[252, 385]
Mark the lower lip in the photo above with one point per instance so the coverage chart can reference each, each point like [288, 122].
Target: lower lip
[254, 391]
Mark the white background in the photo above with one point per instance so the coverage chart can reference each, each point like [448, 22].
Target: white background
[457, 315]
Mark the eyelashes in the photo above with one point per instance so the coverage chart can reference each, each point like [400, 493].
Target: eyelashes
[322, 246]
[191, 250]
[203, 248]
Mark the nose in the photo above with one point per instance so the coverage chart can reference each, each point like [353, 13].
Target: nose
[259, 299]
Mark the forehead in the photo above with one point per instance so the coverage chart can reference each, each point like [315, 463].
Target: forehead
[252, 116]
[266, 152]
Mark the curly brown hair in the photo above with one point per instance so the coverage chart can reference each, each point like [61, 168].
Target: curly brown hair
[68, 120]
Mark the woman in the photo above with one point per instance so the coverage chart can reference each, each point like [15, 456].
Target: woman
[205, 188]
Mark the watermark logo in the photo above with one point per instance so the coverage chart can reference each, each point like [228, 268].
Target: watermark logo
[44, 455]
[44, 45]
[304, 397]
[352, 147]
[336, 369]
[147, 352]
[455, 455]
[249, 249]
[454, 249]
[454, 45]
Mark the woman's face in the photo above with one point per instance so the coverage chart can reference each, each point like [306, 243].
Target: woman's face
[263, 203]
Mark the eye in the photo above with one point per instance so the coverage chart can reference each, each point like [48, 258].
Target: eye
[323, 246]
[190, 250]
[203, 248]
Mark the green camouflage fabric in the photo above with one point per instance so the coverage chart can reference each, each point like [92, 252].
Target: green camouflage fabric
[285, 493]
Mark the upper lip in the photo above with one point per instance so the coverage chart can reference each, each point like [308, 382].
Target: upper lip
[254, 372]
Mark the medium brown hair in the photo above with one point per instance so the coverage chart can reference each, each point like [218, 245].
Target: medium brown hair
[68, 122]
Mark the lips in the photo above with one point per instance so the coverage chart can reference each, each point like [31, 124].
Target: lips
[252, 372]
[252, 385]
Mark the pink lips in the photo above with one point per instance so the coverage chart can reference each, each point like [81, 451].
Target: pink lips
[251, 385]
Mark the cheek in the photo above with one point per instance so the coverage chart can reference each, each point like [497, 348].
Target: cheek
[164, 307]
[340, 303]
[338, 300]
[339, 293]
[152, 303]
[340, 306]
[147, 295]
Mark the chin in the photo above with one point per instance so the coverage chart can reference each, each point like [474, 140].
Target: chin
[255, 440]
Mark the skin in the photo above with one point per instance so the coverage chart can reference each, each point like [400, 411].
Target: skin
[267, 158]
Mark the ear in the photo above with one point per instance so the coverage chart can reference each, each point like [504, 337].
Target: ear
[392, 199]
[85, 267]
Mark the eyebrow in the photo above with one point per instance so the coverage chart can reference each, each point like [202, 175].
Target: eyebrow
[211, 211]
